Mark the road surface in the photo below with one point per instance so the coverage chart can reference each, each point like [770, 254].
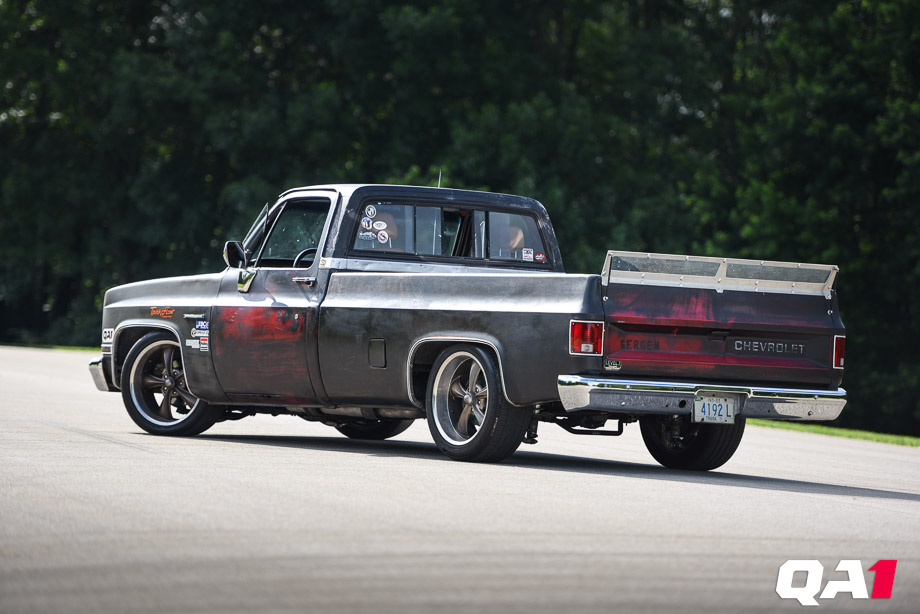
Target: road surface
[274, 514]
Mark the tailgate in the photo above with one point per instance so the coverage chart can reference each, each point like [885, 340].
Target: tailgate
[721, 320]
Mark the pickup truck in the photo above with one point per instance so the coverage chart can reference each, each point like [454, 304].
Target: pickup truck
[365, 307]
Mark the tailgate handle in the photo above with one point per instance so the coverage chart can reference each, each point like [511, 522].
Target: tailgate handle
[717, 341]
[308, 281]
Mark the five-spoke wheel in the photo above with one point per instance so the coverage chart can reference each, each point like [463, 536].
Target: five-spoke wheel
[468, 415]
[155, 390]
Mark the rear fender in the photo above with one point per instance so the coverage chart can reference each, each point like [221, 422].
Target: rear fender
[425, 351]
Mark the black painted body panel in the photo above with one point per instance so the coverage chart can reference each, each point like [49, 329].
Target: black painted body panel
[524, 316]
[166, 304]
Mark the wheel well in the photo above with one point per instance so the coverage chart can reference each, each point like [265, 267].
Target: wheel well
[126, 339]
[422, 359]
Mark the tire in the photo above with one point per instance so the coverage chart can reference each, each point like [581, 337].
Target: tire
[678, 443]
[157, 401]
[373, 429]
[468, 416]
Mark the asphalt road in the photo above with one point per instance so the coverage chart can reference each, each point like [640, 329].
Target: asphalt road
[280, 515]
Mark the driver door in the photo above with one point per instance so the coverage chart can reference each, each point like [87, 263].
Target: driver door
[263, 323]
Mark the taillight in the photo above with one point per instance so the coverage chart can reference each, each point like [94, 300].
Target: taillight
[840, 343]
[586, 338]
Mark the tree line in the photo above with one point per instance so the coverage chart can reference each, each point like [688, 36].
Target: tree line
[137, 136]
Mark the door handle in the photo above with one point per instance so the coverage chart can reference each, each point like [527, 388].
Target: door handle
[307, 281]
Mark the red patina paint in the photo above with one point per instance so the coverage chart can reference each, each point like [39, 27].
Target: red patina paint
[694, 307]
[262, 350]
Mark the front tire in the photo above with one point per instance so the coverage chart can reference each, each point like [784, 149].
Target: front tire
[376, 430]
[468, 415]
[678, 443]
[155, 391]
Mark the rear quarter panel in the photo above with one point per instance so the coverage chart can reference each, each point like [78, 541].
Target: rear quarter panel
[524, 316]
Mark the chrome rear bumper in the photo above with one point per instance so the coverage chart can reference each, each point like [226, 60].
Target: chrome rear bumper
[651, 397]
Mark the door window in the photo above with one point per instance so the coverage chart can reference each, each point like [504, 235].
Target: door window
[299, 227]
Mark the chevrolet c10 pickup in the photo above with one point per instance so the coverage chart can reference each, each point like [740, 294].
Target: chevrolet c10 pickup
[365, 307]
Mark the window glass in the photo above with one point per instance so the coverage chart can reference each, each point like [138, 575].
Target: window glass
[386, 228]
[515, 237]
[452, 232]
[299, 227]
[436, 231]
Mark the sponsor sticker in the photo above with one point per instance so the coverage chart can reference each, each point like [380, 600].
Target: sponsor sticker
[108, 334]
[163, 312]
[199, 333]
[367, 236]
[370, 211]
[192, 343]
[192, 316]
[382, 236]
[202, 325]
[203, 344]
[380, 225]
[539, 257]
[367, 224]
[528, 254]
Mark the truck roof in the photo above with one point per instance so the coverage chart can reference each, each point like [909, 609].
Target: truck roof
[347, 190]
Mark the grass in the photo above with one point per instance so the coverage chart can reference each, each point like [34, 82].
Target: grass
[900, 440]
[54, 347]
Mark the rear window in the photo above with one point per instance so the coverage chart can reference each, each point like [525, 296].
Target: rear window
[448, 232]
[386, 228]
[515, 237]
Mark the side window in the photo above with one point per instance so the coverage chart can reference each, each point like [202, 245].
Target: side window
[515, 237]
[298, 228]
[386, 228]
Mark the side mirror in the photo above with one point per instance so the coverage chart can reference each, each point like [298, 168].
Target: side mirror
[235, 255]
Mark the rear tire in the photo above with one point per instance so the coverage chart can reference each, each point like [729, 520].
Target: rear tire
[373, 429]
[678, 443]
[468, 415]
[155, 391]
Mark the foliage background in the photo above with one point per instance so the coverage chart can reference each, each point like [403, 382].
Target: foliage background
[135, 137]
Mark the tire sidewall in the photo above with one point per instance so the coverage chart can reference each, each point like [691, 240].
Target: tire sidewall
[481, 439]
[712, 447]
[200, 417]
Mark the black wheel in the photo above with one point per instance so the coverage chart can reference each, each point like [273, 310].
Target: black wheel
[373, 429]
[678, 443]
[468, 415]
[155, 392]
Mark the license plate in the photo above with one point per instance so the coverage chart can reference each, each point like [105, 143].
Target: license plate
[720, 410]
